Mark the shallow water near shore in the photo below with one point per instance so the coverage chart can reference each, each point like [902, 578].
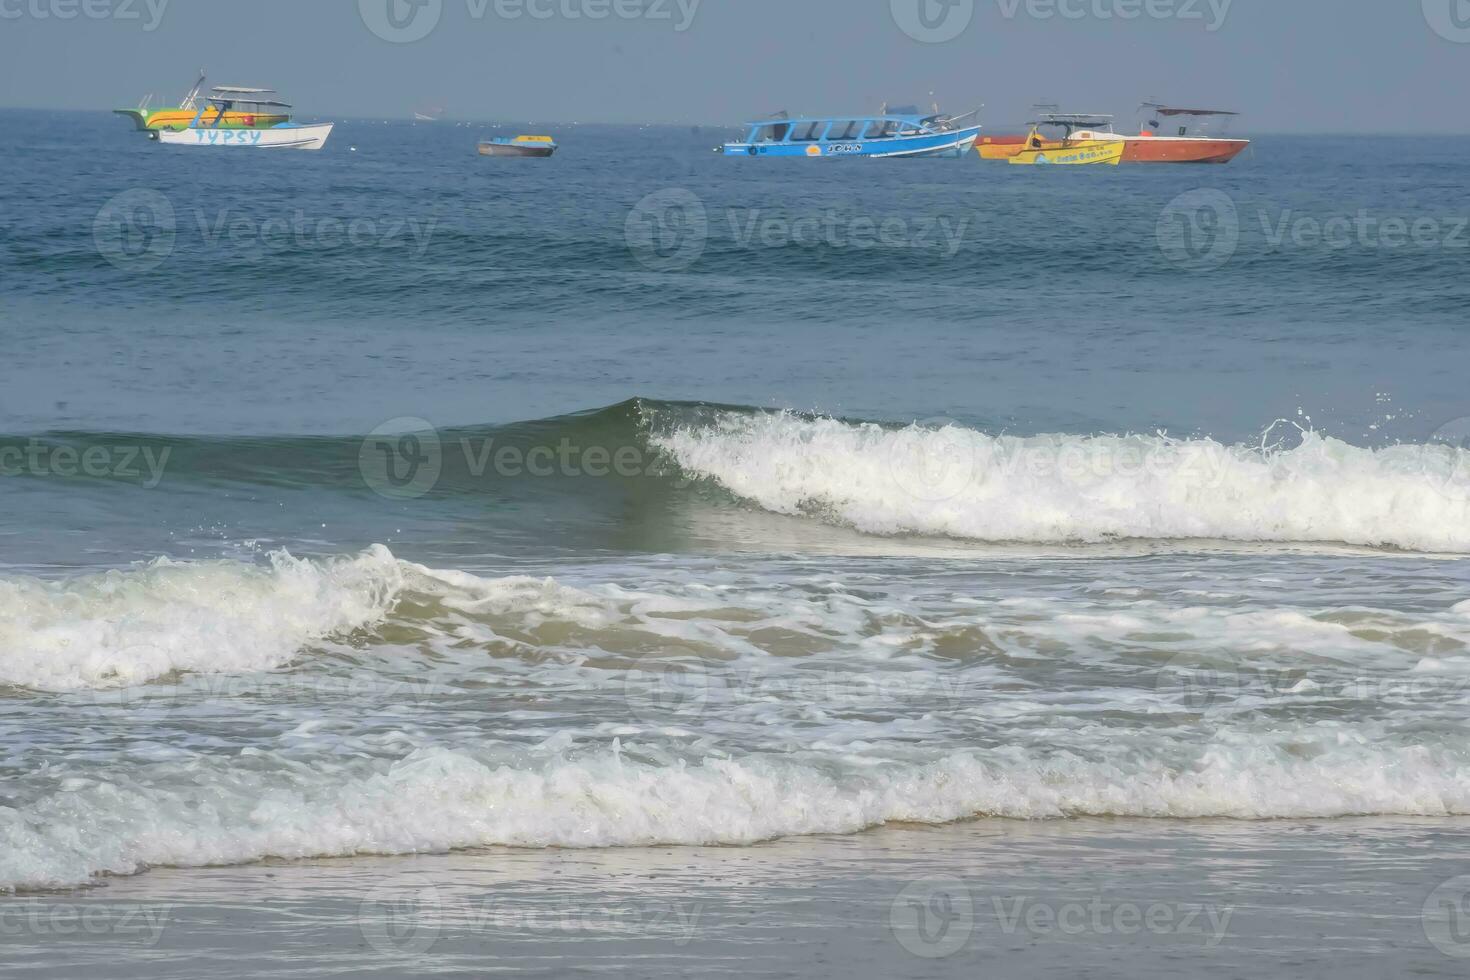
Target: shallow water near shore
[1116, 898]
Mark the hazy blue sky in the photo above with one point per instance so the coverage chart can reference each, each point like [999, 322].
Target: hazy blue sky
[1335, 65]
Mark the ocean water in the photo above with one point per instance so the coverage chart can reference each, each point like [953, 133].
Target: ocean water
[848, 550]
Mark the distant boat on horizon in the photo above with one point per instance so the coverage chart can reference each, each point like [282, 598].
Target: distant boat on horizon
[428, 114]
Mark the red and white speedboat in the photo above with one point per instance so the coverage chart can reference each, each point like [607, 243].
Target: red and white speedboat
[1173, 135]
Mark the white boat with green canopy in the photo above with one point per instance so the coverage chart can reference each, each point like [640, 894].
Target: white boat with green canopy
[227, 99]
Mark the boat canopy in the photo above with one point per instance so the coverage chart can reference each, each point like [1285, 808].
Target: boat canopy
[1079, 120]
[1164, 110]
[1198, 123]
[814, 129]
[229, 102]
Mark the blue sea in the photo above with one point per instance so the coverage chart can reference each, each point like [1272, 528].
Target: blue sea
[928, 568]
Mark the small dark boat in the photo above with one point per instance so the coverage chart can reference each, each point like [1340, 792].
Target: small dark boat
[518, 146]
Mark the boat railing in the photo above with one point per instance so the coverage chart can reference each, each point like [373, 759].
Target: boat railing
[841, 129]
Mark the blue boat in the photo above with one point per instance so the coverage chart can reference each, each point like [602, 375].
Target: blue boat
[903, 133]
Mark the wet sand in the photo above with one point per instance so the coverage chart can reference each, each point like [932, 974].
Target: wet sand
[1126, 898]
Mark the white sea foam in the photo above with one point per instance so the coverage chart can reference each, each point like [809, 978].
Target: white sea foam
[216, 811]
[819, 703]
[963, 483]
[130, 626]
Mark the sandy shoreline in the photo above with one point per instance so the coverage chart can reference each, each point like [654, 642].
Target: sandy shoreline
[1124, 898]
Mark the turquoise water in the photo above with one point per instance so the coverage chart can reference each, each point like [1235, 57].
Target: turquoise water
[390, 499]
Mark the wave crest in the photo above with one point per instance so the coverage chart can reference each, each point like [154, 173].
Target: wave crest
[126, 627]
[958, 482]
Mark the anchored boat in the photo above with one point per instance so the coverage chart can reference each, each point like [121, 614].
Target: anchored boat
[518, 146]
[225, 100]
[177, 117]
[1070, 152]
[1190, 141]
[1051, 131]
[1173, 135]
[902, 133]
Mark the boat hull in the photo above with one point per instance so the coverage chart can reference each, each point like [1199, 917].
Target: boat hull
[999, 147]
[955, 143]
[1108, 153]
[513, 150]
[1185, 149]
[294, 137]
[156, 119]
[1136, 149]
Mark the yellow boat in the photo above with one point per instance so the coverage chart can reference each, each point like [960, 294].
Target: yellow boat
[180, 116]
[1038, 151]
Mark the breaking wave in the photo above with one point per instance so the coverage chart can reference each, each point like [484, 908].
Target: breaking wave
[958, 482]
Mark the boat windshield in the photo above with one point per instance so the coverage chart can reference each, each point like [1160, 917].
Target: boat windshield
[771, 133]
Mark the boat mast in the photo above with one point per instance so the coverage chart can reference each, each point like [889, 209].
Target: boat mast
[188, 102]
